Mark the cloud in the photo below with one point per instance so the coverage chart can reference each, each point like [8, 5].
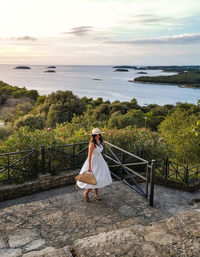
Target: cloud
[147, 19]
[80, 31]
[176, 39]
[24, 38]
[101, 37]
[153, 19]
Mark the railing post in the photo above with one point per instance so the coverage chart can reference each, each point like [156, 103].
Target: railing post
[141, 152]
[73, 158]
[186, 175]
[49, 163]
[152, 182]
[147, 182]
[43, 158]
[166, 168]
[122, 161]
[8, 163]
[36, 161]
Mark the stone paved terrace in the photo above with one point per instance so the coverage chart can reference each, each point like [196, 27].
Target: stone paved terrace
[51, 223]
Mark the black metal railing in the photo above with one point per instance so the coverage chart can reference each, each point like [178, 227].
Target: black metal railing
[169, 169]
[129, 167]
[16, 167]
[65, 157]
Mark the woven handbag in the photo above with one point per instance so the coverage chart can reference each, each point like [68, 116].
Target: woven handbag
[86, 177]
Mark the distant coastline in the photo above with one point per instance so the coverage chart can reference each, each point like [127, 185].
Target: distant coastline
[187, 78]
[114, 85]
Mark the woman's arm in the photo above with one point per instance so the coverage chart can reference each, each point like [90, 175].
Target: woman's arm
[90, 151]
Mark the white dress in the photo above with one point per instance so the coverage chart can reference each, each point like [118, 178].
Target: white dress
[99, 168]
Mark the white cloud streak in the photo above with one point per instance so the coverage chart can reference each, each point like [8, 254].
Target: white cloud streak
[176, 39]
[80, 31]
[25, 38]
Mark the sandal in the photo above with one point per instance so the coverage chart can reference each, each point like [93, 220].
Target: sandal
[86, 198]
[97, 198]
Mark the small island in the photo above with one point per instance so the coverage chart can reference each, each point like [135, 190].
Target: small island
[125, 67]
[50, 71]
[142, 72]
[97, 79]
[182, 79]
[51, 67]
[122, 70]
[23, 67]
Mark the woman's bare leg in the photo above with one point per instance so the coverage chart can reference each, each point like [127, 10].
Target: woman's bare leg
[85, 194]
[96, 194]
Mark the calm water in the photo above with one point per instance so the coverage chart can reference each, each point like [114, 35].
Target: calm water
[113, 86]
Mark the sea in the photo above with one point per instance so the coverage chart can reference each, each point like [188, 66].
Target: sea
[98, 81]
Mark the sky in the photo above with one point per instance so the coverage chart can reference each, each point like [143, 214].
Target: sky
[100, 32]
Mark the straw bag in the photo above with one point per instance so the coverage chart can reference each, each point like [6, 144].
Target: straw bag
[86, 177]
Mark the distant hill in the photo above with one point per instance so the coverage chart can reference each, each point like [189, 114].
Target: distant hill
[170, 68]
[186, 79]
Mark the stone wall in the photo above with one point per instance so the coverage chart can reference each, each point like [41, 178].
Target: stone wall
[44, 182]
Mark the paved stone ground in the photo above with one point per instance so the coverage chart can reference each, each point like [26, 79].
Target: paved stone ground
[174, 237]
[175, 201]
[48, 223]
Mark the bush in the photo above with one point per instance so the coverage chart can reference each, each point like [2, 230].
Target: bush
[60, 107]
[33, 122]
[177, 131]
[25, 139]
[134, 118]
[5, 132]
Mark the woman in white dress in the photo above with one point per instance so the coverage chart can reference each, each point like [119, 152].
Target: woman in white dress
[95, 163]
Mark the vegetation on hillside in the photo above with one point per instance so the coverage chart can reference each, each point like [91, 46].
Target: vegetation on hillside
[188, 79]
[62, 117]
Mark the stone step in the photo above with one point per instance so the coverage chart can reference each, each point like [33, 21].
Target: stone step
[51, 252]
[177, 236]
[46, 252]
[60, 220]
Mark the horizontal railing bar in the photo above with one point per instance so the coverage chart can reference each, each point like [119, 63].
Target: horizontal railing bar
[133, 155]
[130, 164]
[13, 153]
[198, 165]
[81, 150]
[81, 143]
[134, 172]
[12, 164]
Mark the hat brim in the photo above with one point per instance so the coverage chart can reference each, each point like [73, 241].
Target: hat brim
[98, 133]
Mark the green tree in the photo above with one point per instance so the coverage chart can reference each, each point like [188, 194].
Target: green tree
[60, 107]
[177, 131]
[31, 121]
[133, 118]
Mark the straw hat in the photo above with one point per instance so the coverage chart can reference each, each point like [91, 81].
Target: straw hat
[96, 131]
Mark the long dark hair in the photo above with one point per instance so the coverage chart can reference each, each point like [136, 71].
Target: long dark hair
[93, 140]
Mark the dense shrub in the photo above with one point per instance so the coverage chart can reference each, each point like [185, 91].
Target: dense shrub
[134, 118]
[33, 122]
[8, 91]
[177, 131]
[24, 139]
[60, 107]
[5, 132]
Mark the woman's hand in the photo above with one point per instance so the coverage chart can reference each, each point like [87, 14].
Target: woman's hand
[90, 170]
